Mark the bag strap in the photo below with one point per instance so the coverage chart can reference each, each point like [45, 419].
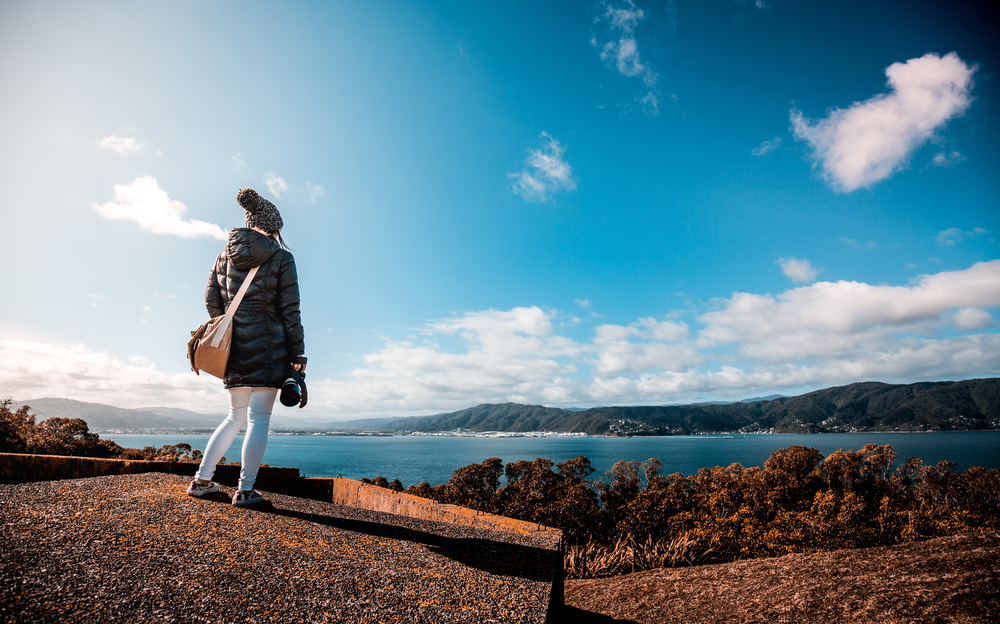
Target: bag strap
[220, 332]
[242, 291]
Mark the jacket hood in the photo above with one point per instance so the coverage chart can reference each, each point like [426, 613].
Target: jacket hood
[249, 248]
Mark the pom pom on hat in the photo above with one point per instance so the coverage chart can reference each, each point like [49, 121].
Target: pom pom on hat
[248, 198]
[260, 213]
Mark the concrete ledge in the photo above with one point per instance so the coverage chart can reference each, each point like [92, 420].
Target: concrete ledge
[353, 493]
[25, 468]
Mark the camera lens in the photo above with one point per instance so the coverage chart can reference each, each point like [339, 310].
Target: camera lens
[290, 393]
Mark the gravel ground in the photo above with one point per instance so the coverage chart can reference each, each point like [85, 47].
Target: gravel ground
[945, 580]
[136, 548]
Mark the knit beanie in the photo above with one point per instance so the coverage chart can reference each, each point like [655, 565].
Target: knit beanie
[261, 214]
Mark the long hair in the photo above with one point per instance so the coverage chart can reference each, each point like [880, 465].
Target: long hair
[281, 241]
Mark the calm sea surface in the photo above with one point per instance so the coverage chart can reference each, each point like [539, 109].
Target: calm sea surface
[413, 459]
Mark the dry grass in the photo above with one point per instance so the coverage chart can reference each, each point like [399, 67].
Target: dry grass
[627, 555]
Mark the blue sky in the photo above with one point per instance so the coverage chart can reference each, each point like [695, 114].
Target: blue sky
[571, 204]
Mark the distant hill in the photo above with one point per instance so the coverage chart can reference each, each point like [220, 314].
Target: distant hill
[101, 417]
[868, 406]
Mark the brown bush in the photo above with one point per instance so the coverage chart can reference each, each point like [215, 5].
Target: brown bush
[634, 518]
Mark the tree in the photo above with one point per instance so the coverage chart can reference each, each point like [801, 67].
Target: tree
[14, 427]
[476, 485]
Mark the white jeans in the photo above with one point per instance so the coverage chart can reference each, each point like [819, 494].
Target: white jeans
[250, 407]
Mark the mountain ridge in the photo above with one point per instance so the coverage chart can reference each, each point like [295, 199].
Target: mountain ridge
[864, 406]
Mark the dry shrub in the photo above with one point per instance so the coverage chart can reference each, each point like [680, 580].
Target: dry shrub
[628, 554]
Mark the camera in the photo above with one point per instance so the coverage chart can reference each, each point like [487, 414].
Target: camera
[293, 390]
[290, 394]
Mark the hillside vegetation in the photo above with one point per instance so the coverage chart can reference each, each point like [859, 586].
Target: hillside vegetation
[19, 433]
[869, 406]
[635, 518]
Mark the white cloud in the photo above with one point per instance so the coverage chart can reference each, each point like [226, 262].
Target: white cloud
[126, 146]
[624, 54]
[33, 370]
[951, 236]
[545, 172]
[583, 303]
[798, 270]
[315, 192]
[512, 355]
[838, 319]
[238, 165]
[620, 50]
[651, 103]
[971, 319]
[947, 159]
[275, 184]
[813, 336]
[644, 345]
[767, 147]
[940, 326]
[869, 141]
[143, 201]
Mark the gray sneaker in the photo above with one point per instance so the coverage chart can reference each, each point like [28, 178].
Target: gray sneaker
[199, 489]
[242, 498]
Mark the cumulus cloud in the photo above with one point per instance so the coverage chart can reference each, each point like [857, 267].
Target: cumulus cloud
[545, 172]
[812, 336]
[31, 370]
[143, 201]
[512, 355]
[798, 270]
[940, 326]
[620, 50]
[646, 345]
[840, 319]
[971, 319]
[952, 236]
[275, 184]
[316, 192]
[126, 146]
[869, 141]
[767, 147]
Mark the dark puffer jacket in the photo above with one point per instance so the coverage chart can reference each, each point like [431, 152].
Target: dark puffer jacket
[267, 328]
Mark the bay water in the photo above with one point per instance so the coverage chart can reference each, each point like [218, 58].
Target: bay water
[414, 459]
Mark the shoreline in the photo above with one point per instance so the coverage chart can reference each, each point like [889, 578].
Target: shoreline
[285, 432]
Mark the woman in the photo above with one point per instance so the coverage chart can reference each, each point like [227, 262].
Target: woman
[267, 339]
